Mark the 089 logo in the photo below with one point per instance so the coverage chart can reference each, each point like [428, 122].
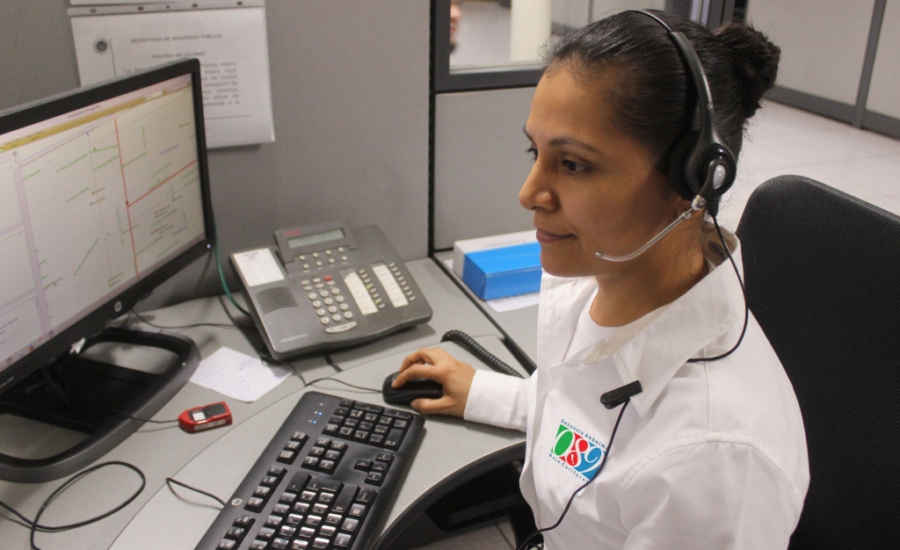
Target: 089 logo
[578, 453]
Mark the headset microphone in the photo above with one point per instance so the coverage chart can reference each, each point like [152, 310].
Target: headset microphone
[715, 175]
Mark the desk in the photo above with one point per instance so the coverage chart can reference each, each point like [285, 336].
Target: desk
[216, 461]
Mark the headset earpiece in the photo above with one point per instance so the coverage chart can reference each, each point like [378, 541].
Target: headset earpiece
[678, 159]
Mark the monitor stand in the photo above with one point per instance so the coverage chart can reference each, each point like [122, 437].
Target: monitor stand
[94, 398]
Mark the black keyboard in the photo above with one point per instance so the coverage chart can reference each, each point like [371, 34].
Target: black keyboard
[323, 481]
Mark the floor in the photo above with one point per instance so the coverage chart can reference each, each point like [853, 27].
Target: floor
[781, 140]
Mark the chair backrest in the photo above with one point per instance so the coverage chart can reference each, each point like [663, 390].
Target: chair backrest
[822, 272]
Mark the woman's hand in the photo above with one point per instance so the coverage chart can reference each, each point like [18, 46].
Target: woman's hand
[438, 365]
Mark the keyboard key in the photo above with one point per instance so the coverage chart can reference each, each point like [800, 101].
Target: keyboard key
[287, 531]
[326, 497]
[288, 498]
[333, 519]
[351, 422]
[317, 451]
[310, 462]
[331, 429]
[345, 499]
[323, 442]
[376, 439]
[333, 455]
[259, 544]
[227, 544]
[386, 420]
[313, 520]
[366, 496]
[346, 431]
[321, 544]
[292, 446]
[266, 533]
[281, 509]
[255, 504]
[287, 457]
[369, 408]
[327, 530]
[301, 508]
[299, 436]
[371, 417]
[366, 426]
[363, 465]
[356, 413]
[326, 466]
[338, 446]
[342, 540]
[269, 480]
[299, 544]
[393, 439]
[307, 532]
[308, 496]
[402, 424]
[379, 466]
[336, 419]
[280, 544]
[244, 521]
[350, 525]
[381, 429]
[320, 509]
[357, 510]
[295, 519]
[360, 435]
[342, 410]
[298, 482]
[347, 403]
[385, 457]
[273, 521]
[375, 478]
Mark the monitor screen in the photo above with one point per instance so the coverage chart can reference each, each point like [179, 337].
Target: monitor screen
[99, 191]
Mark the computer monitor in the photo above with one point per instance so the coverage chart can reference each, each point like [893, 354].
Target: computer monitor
[104, 194]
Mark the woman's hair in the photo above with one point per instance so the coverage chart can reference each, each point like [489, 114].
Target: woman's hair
[652, 91]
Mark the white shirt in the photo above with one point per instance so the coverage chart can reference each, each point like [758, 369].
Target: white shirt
[709, 455]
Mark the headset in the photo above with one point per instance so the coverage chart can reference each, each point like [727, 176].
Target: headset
[701, 166]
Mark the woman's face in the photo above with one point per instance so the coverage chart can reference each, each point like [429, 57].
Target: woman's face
[592, 187]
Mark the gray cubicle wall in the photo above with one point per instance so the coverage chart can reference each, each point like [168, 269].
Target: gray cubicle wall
[883, 105]
[350, 98]
[479, 164]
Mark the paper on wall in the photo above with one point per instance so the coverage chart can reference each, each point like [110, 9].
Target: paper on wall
[231, 45]
[238, 375]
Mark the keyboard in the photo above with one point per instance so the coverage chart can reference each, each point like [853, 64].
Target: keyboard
[324, 480]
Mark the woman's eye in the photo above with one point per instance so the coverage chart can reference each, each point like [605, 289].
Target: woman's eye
[573, 166]
[533, 152]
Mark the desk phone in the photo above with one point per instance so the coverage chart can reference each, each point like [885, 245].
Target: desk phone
[328, 286]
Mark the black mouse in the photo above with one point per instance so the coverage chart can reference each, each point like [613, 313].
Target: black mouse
[412, 390]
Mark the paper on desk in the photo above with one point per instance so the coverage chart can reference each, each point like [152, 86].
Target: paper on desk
[509, 303]
[230, 43]
[237, 375]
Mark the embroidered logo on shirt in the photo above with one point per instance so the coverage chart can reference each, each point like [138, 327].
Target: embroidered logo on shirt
[577, 451]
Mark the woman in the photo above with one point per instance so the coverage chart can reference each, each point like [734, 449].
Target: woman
[712, 452]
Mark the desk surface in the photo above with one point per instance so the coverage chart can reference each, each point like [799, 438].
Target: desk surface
[217, 461]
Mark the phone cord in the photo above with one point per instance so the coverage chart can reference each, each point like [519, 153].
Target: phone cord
[473, 347]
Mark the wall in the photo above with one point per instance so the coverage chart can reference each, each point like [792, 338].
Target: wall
[480, 164]
[350, 100]
[883, 94]
[823, 43]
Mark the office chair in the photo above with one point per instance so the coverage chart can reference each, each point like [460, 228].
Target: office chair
[822, 271]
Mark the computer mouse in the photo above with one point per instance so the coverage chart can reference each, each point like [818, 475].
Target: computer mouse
[412, 390]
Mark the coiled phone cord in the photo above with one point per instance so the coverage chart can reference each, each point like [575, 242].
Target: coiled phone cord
[469, 344]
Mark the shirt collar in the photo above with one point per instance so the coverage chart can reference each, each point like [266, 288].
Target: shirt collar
[704, 322]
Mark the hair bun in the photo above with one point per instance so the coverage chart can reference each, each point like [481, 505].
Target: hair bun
[754, 59]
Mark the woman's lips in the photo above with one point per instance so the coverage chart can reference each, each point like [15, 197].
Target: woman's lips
[546, 237]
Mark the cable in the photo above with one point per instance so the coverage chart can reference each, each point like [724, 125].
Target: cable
[332, 363]
[612, 438]
[468, 343]
[170, 481]
[746, 305]
[126, 415]
[35, 526]
[373, 390]
[194, 325]
[219, 266]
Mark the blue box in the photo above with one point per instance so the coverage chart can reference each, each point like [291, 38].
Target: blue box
[502, 272]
